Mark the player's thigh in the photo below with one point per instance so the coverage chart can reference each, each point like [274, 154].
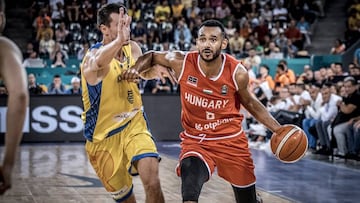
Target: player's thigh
[140, 146]
[234, 163]
[109, 163]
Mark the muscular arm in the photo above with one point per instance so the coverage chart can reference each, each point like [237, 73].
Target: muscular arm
[15, 80]
[171, 59]
[251, 103]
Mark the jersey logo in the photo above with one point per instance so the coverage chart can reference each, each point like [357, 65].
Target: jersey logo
[224, 90]
[207, 91]
[210, 115]
[130, 96]
[192, 80]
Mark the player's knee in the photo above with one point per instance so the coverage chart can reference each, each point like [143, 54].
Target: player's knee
[194, 174]
[247, 194]
[152, 184]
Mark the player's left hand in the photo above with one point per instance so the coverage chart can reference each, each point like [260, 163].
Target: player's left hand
[158, 71]
[5, 179]
[130, 75]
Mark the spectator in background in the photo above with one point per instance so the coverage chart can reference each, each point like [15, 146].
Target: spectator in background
[134, 11]
[354, 139]
[162, 86]
[223, 12]
[312, 115]
[192, 12]
[281, 78]
[87, 13]
[58, 13]
[28, 62]
[276, 30]
[304, 28]
[182, 36]
[34, 88]
[236, 44]
[75, 87]
[44, 30]
[56, 87]
[59, 60]
[328, 111]
[348, 108]
[294, 34]
[208, 12]
[280, 13]
[273, 52]
[289, 72]
[261, 30]
[338, 48]
[353, 25]
[61, 33]
[290, 51]
[72, 8]
[230, 29]
[177, 9]
[138, 34]
[59, 47]
[245, 30]
[28, 50]
[253, 60]
[46, 46]
[259, 49]
[83, 50]
[162, 11]
[356, 59]
[266, 13]
[39, 20]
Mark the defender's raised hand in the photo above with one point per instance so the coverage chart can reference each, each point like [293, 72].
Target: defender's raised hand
[123, 27]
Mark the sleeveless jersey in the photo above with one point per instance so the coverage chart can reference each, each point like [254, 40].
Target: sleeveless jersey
[110, 105]
[210, 106]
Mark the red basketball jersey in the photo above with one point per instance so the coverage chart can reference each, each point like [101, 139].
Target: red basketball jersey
[210, 106]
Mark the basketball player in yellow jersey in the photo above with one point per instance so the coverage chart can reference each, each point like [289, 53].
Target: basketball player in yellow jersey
[118, 142]
[14, 77]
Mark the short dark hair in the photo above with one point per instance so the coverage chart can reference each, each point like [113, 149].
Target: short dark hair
[103, 14]
[281, 66]
[283, 61]
[350, 79]
[214, 23]
[326, 85]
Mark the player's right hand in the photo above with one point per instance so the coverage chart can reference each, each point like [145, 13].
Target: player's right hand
[123, 28]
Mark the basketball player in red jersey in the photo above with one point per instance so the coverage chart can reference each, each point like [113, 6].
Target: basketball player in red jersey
[213, 87]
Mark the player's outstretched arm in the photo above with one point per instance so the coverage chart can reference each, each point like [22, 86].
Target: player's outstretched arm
[98, 59]
[14, 77]
[252, 104]
[154, 64]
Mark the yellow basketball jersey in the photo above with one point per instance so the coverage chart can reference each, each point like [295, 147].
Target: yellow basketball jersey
[110, 105]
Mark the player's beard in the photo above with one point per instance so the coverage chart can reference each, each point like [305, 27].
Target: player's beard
[215, 55]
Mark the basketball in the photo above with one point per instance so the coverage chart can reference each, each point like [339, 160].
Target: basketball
[289, 143]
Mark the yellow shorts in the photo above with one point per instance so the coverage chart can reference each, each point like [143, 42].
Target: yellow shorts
[113, 157]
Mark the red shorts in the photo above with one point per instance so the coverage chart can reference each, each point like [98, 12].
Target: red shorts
[231, 157]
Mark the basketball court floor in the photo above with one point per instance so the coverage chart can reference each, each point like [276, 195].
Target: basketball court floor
[61, 173]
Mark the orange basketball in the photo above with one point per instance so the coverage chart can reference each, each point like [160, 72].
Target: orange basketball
[289, 143]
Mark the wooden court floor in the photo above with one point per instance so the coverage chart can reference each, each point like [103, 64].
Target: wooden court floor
[61, 173]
